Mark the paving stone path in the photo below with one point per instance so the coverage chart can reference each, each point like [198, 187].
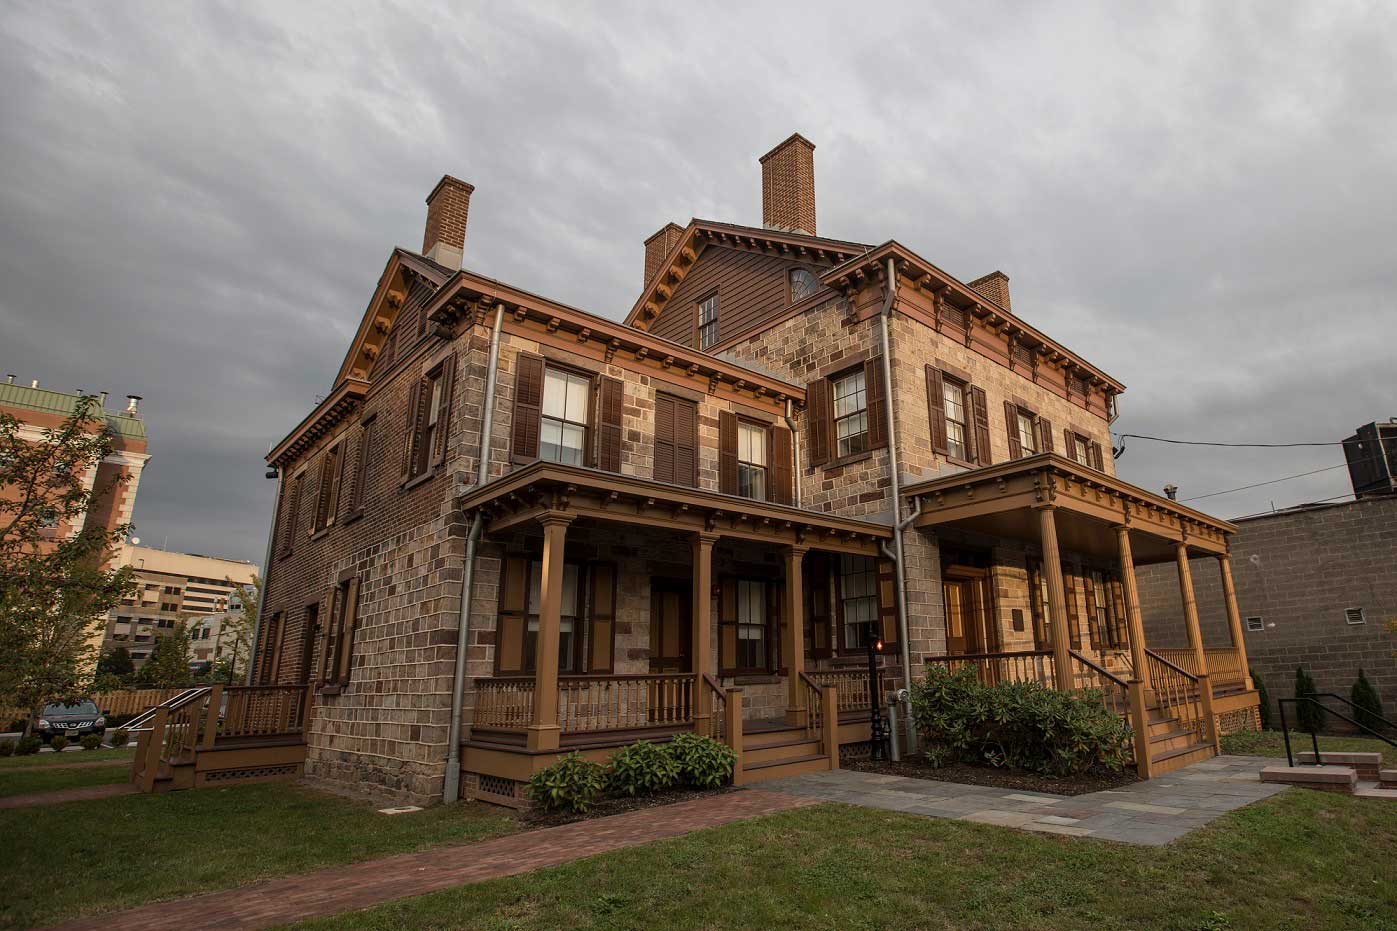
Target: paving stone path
[1151, 813]
[59, 796]
[360, 885]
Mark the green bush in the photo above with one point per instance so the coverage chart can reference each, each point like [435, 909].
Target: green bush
[7, 747]
[704, 763]
[643, 768]
[59, 743]
[1369, 705]
[572, 784]
[1308, 716]
[1263, 698]
[1019, 725]
[27, 745]
[119, 737]
[90, 741]
[17, 725]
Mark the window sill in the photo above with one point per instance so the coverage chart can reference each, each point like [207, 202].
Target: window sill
[330, 690]
[322, 532]
[354, 515]
[849, 460]
[420, 479]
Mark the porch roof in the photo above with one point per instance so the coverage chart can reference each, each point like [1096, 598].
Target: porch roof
[1000, 500]
[542, 487]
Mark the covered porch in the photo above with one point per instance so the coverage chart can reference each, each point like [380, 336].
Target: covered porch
[628, 609]
[1087, 630]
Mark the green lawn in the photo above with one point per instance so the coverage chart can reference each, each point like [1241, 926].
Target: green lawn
[23, 780]
[67, 758]
[1301, 860]
[1271, 743]
[132, 849]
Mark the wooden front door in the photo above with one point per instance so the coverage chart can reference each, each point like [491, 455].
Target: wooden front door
[671, 631]
[970, 626]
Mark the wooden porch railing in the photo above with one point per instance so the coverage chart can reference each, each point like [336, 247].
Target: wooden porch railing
[1223, 666]
[165, 733]
[1177, 692]
[993, 668]
[603, 703]
[717, 708]
[814, 707]
[1114, 691]
[264, 710]
[504, 703]
[851, 683]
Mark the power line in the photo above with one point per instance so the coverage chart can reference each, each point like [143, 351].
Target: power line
[1160, 439]
[1214, 494]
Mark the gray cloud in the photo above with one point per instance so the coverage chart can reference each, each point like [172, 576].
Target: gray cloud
[196, 201]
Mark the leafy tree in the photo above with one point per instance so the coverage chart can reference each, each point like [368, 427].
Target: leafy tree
[1369, 704]
[56, 583]
[1263, 698]
[1307, 715]
[116, 662]
[235, 637]
[167, 667]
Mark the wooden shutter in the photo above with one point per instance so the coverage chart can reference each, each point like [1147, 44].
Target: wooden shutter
[887, 604]
[509, 633]
[936, 410]
[727, 624]
[349, 616]
[1119, 629]
[410, 427]
[293, 507]
[820, 421]
[1093, 635]
[1045, 435]
[727, 452]
[448, 381]
[1074, 618]
[610, 393]
[601, 620]
[779, 440]
[876, 398]
[528, 406]
[664, 438]
[361, 465]
[981, 414]
[817, 607]
[1011, 421]
[327, 482]
[685, 442]
[1095, 457]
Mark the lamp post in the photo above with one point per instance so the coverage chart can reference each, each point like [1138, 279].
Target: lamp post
[878, 732]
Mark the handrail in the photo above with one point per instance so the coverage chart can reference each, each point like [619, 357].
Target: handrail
[814, 707]
[1101, 671]
[1177, 692]
[1179, 669]
[137, 724]
[1004, 654]
[1115, 693]
[1005, 666]
[718, 707]
[852, 685]
[1314, 736]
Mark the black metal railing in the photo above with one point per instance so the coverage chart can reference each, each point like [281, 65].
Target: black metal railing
[1314, 736]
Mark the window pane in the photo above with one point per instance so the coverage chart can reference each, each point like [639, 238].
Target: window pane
[751, 481]
[849, 394]
[577, 399]
[434, 405]
[1026, 434]
[955, 401]
[554, 393]
[955, 439]
[550, 440]
[751, 444]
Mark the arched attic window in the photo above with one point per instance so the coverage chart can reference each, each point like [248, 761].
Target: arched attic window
[803, 284]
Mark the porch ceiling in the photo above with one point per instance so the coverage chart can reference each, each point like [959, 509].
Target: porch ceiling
[1002, 500]
[542, 487]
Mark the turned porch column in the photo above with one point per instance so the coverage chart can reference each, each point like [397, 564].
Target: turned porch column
[1234, 618]
[701, 628]
[1195, 639]
[1057, 596]
[1135, 625]
[793, 639]
[544, 731]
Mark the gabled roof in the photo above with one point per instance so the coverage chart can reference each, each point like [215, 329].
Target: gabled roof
[402, 265]
[814, 250]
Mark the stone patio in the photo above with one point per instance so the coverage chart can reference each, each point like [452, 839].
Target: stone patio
[1150, 813]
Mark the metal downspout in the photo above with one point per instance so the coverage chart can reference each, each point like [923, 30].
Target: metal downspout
[451, 785]
[266, 572]
[795, 453]
[889, 299]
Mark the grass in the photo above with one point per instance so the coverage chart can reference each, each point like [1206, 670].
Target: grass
[1271, 743]
[23, 780]
[1300, 860]
[66, 758]
[133, 849]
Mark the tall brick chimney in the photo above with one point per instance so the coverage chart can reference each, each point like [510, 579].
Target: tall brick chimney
[447, 207]
[658, 246]
[788, 186]
[994, 286]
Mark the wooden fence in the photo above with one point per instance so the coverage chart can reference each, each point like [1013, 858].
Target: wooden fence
[124, 702]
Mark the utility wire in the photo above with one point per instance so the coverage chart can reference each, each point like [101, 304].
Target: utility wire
[1214, 494]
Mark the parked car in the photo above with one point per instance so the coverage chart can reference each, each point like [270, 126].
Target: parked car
[72, 721]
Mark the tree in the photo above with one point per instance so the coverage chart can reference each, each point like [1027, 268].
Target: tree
[56, 585]
[167, 667]
[116, 662]
[235, 636]
[1369, 705]
[1307, 713]
[1263, 700]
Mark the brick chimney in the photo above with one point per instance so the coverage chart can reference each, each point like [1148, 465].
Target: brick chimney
[658, 246]
[447, 206]
[994, 286]
[788, 186]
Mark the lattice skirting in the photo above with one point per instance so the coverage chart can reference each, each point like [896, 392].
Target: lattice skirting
[1243, 719]
[496, 789]
[855, 752]
[253, 773]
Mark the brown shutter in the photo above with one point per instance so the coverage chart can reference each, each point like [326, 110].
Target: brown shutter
[293, 506]
[609, 397]
[685, 443]
[887, 604]
[727, 624]
[664, 438]
[1096, 462]
[601, 624]
[322, 496]
[349, 611]
[817, 605]
[509, 635]
[936, 410]
[1069, 444]
[361, 465]
[1093, 635]
[1011, 421]
[1119, 630]
[1074, 617]
[727, 452]
[779, 439]
[448, 382]
[820, 419]
[876, 398]
[981, 413]
[1045, 435]
[528, 406]
[410, 427]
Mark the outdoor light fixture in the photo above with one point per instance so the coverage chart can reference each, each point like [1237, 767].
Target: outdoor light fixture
[1172, 491]
[878, 733]
[271, 472]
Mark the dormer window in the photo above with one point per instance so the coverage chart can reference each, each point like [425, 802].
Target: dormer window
[803, 284]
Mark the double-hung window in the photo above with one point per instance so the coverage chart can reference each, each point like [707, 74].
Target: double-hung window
[953, 403]
[850, 413]
[751, 461]
[1028, 445]
[751, 625]
[567, 625]
[708, 321]
[428, 409]
[858, 598]
[1079, 449]
[563, 434]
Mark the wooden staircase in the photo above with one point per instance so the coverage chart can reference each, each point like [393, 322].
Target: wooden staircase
[773, 749]
[1173, 744]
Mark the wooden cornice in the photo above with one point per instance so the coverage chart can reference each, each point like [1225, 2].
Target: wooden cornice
[341, 402]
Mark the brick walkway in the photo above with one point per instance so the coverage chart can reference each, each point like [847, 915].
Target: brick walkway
[346, 888]
[58, 797]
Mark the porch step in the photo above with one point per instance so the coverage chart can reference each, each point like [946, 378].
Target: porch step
[1179, 757]
[786, 766]
[1170, 740]
[1374, 790]
[781, 749]
[1387, 778]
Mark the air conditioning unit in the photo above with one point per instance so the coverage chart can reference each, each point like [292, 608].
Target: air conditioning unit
[1372, 459]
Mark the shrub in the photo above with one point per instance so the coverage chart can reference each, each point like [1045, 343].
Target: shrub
[119, 737]
[704, 763]
[7, 747]
[572, 784]
[1019, 725]
[1367, 702]
[17, 725]
[1308, 715]
[643, 768]
[59, 743]
[1263, 698]
[90, 741]
[27, 745]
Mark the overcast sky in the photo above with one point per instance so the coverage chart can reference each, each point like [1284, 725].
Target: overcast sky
[196, 200]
